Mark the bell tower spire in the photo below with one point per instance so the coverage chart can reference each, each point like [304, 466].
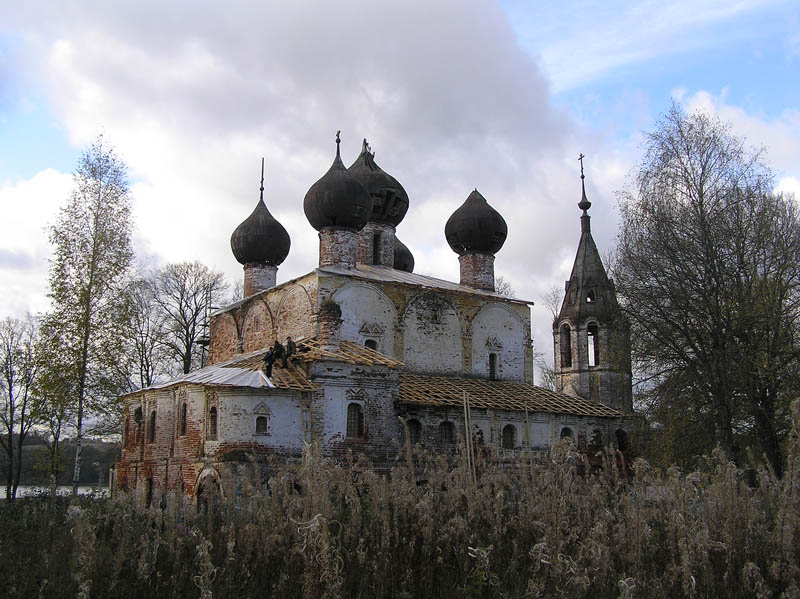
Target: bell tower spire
[591, 339]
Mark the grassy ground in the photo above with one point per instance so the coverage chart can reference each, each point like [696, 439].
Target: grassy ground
[330, 531]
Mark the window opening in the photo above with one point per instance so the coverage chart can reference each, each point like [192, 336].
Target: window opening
[593, 345]
[376, 248]
[590, 296]
[355, 421]
[447, 433]
[151, 429]
[596, 440]
[262, 425]
[566, 432]
[414, 431]
[183, 420]
[372, 344]
[509, 436]
[622, 439]
[148, 497]
[565, 343]
[212, 424]
[492, 367]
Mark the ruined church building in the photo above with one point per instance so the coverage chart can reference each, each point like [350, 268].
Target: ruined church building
[384, 356]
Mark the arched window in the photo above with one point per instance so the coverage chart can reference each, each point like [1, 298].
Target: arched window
[376, 248]
[566, 432]
[622, 439]
[212, 423]
[262, 425]
[509, 436]
[565, 343]
[447, 433]
[182, 428]
[355, 421]
[148, 493]
[126, 432]
[492, 367]
[151, 428]
[590, 296]
[593, 344]
[372, 344]
[414, 431]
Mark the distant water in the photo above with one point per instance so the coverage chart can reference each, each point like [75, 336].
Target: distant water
[30, 490]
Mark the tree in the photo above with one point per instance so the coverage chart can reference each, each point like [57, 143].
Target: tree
[186, 293]
[144, 336]
[706, 269]
[92, 255]
[18, 398]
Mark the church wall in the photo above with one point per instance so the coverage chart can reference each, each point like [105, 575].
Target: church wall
[433, 330]
[366, 314]
[239, 410]
[432, 335]
[497, 329]
[255, 322]
[374, 389]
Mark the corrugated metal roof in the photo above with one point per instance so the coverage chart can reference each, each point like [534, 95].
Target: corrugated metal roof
[391, 275]
[497, 395]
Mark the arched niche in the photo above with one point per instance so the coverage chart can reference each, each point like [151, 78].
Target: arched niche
[367, 315]
[432, 335]
[258, 331]
[295, 314]
[497, 330]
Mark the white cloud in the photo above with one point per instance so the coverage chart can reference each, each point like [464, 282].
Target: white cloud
[780, 136]
[29, 206]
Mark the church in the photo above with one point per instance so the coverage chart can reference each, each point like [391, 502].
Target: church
[385, 358]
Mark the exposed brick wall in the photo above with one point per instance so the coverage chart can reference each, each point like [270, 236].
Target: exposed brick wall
[225, 342]
[366, 245]
[288, 309]
[259, 330]
[337, 246]
[258, 277]
[477, 270]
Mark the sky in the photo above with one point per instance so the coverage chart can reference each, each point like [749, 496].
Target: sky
[452, 95]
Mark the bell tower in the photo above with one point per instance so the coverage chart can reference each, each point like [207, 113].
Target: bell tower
[591, 334]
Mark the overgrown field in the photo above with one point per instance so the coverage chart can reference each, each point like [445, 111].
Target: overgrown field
[326, 531]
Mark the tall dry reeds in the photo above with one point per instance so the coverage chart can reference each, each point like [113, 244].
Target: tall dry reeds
[341, 530]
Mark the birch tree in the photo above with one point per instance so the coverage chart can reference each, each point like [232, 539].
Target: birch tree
[92, 255]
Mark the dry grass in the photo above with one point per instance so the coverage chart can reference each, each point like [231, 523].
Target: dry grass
[331, 531]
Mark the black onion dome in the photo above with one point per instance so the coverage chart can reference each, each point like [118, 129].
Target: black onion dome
[337, 199]
[389, 199]
[403, 259]
[260, 238]
[476, 227]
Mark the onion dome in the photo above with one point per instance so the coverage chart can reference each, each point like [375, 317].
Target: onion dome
[260, 238]
[389, 199]
[475, 227]
[337, 199]
[403, 259]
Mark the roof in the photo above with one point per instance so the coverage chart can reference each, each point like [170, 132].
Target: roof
[248, 370]
[441, 391]
[390, 275]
